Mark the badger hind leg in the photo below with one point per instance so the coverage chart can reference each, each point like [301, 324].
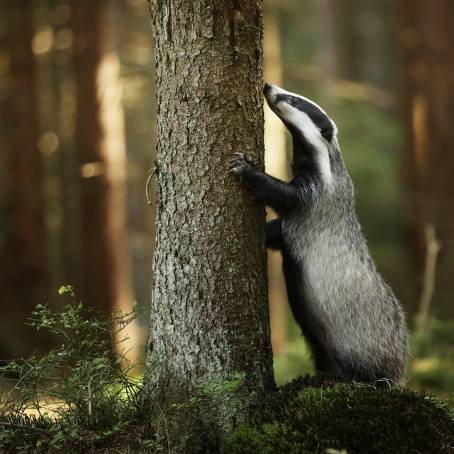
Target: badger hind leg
[385, 375]
[324, 361]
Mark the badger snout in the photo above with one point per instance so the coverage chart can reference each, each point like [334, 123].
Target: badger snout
[267, 87]
[270, 92]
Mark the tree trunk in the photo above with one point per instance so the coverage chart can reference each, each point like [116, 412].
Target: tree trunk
[209, 314]
[106, 281]
[24, 274]
[67, 232]
[426, 34]
[362, 35]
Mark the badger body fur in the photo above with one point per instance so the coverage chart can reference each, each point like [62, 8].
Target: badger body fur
[352, 321]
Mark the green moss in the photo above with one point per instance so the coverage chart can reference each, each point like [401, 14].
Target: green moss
[313, 414]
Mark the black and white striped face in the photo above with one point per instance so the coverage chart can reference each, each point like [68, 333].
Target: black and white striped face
[313, 131]
[301, 114]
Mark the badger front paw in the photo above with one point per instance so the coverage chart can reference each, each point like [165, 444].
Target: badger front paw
[240, 164]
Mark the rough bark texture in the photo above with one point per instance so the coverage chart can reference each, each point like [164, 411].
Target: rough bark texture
[24, 273]
[426, 36]
[106, 283]
[209, 314]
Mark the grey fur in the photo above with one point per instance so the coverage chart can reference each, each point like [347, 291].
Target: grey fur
[350, 317]
[362, 320]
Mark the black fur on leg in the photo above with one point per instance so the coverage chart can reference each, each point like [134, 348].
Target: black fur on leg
[266, 189]
[273, 234]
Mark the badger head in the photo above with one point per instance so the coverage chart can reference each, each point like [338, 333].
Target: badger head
[314, 133]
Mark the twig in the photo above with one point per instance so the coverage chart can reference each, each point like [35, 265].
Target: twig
[89, 397]
[433, 247]
[152, 172]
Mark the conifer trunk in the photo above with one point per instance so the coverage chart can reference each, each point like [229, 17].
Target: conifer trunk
[24, 269]
[276, 164]
[209, 314]
[100, 144]
[426, 34]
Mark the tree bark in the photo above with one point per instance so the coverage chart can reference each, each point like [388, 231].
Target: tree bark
[209, 314]
[100, 144]
[24, 274]
[426, 34]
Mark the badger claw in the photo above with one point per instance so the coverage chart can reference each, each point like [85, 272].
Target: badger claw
[246, 157]
[240, 163]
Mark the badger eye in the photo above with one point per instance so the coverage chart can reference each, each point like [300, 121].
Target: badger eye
[326, 133]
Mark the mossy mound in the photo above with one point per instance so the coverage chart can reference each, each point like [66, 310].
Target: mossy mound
[309, 415]
[316, 414]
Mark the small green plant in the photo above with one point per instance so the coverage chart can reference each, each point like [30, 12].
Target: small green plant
[80, 393]
[66, 290]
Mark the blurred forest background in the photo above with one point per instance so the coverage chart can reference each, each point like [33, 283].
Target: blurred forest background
[77, 141]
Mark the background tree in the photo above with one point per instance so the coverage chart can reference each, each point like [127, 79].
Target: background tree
[24, 273]
[276, 164]
[362, 36]
[209, 314]
[100, 143]
[139, 104]
[426, 33]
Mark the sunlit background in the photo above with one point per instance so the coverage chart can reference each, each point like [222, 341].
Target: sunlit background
[77, 141]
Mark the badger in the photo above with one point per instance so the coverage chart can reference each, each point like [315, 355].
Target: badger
[350, 318]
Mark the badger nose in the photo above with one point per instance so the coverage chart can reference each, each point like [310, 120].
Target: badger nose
[267, 87]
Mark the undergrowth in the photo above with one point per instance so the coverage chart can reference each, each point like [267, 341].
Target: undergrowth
[81, 394]
[83, 397]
